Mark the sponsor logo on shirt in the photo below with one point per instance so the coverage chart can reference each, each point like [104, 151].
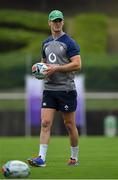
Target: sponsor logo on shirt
[52, 57]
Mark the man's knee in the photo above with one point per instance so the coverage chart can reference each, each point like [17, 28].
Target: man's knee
[68, 125]
[46, 125]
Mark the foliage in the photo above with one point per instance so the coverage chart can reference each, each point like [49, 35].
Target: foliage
[24, 42]
[21, 36]
[91, 32]
[100, 72]
[28, 20]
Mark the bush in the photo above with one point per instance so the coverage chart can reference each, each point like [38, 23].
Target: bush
[21, 36]
[24, 19]
[90, 31]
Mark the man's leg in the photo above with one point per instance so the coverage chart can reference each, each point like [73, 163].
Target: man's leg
[69, 120]
[47, 116]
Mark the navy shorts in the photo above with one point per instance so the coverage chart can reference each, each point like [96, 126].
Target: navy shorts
[65, 101]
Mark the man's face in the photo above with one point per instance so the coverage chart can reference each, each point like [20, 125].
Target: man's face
[56, 25]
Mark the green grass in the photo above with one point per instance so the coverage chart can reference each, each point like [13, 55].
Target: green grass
[98, 157]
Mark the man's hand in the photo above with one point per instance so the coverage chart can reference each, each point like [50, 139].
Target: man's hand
[52, 68]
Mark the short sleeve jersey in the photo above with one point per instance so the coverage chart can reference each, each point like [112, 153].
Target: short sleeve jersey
[59, 51]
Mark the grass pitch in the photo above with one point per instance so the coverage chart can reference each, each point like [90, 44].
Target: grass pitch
[98, 157]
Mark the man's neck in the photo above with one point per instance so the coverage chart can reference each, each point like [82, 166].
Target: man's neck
[56, 35]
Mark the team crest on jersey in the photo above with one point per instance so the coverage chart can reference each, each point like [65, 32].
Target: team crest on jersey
[66, 107]
[52, 57]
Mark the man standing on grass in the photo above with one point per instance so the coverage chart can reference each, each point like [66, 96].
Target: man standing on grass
[61, 53]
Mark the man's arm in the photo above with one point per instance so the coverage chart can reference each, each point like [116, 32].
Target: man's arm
[74, 65]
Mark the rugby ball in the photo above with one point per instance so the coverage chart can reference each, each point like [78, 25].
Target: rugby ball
[15, 169]
[39, 70]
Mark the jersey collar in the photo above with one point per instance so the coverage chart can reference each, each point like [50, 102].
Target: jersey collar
[61, 34]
